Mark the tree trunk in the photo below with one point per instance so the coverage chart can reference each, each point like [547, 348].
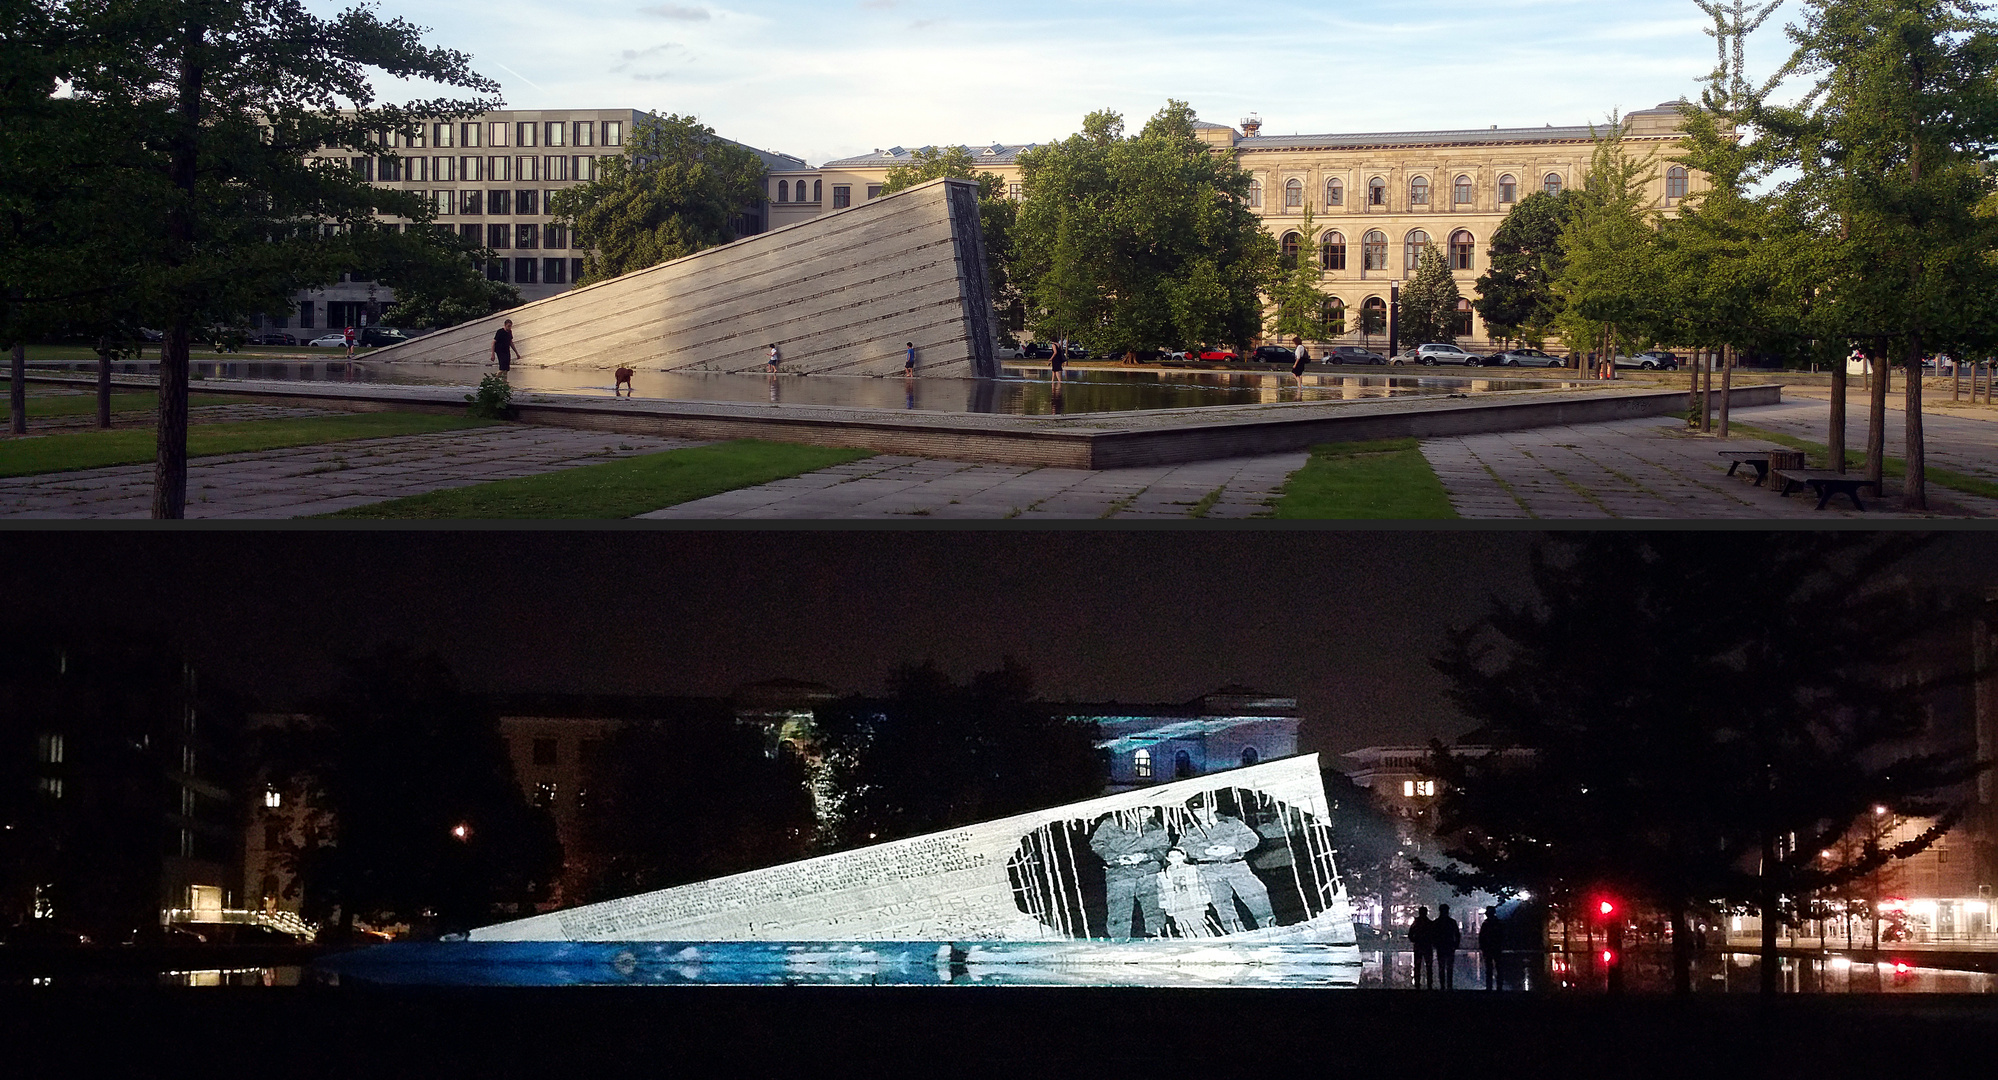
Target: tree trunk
[1682, 953]
[1727, 385]
[1766, 887]
[1835, 440]
[170, 467]
[1876, 414]
[1707, 395]
[1693, 388]
[1914, 484]
[104, 389]
[17, 390]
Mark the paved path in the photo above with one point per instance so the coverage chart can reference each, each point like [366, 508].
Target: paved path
[892, 486]
[306, 480]
[1652, 468]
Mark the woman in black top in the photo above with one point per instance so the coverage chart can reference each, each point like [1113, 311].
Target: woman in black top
[1058, 358]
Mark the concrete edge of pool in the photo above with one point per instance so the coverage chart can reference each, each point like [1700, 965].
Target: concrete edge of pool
[1151, 438]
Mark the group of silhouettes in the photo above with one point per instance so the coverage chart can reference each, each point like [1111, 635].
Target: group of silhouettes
[1436, 942]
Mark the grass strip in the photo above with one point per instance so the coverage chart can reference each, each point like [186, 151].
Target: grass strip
[68, 450]
[1949, 478]
[1386, 479]
[49, 405]
[623, 488]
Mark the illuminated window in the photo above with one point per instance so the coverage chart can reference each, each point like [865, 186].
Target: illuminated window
[1143, 761]
[1413, 788]
[1508, 189]
[273, 798]
[50, 786]
[544, 793]
[49, 749]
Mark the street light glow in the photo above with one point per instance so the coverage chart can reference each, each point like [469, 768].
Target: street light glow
[461, 830]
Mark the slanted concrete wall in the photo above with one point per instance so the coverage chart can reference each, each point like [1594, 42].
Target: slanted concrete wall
[842, 293]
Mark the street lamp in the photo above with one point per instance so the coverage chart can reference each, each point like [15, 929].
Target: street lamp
[461, 831]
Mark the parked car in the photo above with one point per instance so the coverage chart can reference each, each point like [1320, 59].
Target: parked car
[1036, 350]
[1218, 355]
[374, 337]
[1432, 354]
[1353, 354]
[1273, 354]
[273, 338]
[151, 335]
[1526, 358]
[1649, 361]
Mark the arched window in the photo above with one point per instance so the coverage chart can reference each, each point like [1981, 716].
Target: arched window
[1182, 765]
[1411, 250]
[1675, 183]
[1551, 183]
[1460, 250]
[783, 191]
[1141, 763]
[1256, 194]
[1461, 191]
[816, 190]
[1460, 320]
[1334, 314]
[1373, 316]
[1332, 251]
[1374, 251]
[1249, 755]
[1377, 192]
[1335, 193]
[1508, 189]
[1290, 242]
[1418, 191]
[1293, 193]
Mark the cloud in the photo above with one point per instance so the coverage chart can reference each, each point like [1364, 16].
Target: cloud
[675, 11]
[631, 56]
[925, 24]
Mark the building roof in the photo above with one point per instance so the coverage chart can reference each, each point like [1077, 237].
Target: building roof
[993, 154]
[1459, 137]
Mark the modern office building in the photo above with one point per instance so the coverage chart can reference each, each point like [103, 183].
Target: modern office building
[1375, 199]
[490, 177]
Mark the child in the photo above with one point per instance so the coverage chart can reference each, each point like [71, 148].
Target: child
[1183, 895]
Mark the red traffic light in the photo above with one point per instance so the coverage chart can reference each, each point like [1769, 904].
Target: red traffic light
[1606, 907]
[1609, 957]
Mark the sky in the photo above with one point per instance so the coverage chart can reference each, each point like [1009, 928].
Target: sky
[823, 80]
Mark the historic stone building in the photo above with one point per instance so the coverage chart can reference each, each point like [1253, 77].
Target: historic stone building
[1374, 199]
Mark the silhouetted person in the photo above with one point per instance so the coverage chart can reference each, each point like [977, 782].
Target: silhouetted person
[1422, 935]
[1491, 942]
[1448, 937]
[503, 350]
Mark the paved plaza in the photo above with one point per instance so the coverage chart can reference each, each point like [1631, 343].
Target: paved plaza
[1644, 469]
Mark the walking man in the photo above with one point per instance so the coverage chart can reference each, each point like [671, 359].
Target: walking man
[504, 350]
[1448, 937]
[1491, 943]
[909, 365]
[1422, 935]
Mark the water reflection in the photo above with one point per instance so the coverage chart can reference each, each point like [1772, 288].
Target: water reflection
[1713, 973]
[1019, 390]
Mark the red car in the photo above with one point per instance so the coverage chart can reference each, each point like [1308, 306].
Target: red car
[1219, 354]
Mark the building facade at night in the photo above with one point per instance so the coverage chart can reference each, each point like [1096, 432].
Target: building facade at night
[1154, 743]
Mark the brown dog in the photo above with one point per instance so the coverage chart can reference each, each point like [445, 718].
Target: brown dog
[624, 375]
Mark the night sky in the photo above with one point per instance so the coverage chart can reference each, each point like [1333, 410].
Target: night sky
[1344, 621]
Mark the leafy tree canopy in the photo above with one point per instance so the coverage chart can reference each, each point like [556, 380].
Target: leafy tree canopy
[676, 190]
[1515, 293]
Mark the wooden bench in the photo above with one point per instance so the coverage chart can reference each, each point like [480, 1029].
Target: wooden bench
[1757, 458]
[1826, 484]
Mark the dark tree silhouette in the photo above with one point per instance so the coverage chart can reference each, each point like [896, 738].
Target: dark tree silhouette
[1705, 714]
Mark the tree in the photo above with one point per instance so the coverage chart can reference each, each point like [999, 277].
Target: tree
[450, 303]
[414, 813]
[691, 798]
[215, 204]
[1298, 308]
[997, 217]
[1515, 293]
[676, 190]
[1373, 320]
[1372, 849]
[1749, 721]
[1429, 300]
[1893, 143]
[1611, 294]
[935, 754]
[1141, 242]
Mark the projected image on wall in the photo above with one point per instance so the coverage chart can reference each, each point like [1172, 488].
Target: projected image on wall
[1226, 861]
